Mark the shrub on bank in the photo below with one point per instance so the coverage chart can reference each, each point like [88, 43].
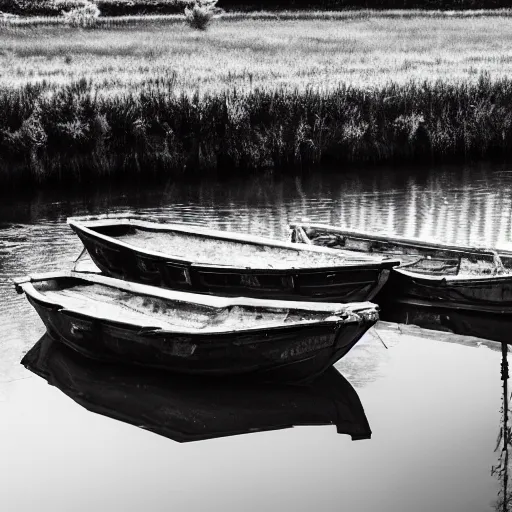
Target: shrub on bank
[140, 7]
[74, 134]
[40, 7]
[85, 16]
[106, 7]
[200, 15]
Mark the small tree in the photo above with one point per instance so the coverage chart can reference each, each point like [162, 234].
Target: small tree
[85, 16]
[200, 14]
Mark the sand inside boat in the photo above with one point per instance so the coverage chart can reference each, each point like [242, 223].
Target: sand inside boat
[119, 305]
[466, 269]
[216, 251]
[419, 261]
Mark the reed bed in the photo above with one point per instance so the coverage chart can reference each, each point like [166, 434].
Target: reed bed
[71, 134]
[252, 94]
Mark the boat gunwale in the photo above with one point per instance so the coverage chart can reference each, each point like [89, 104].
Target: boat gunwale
[414, 242]
[198, 298]
[84, 224]
[457, 279]
[354, 312]
[148, 329]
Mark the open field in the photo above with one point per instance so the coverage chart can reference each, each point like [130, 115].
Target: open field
[159, 99]
[260, 53]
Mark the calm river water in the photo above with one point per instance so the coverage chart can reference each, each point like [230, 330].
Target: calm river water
[433, 405]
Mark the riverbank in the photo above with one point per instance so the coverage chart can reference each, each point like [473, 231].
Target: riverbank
[252, 95]
[70, 134]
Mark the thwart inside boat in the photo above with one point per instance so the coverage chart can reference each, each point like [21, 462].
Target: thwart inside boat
[218, 251]
[103, 301]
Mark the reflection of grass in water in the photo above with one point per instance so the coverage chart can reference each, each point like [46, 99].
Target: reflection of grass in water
[501, 470]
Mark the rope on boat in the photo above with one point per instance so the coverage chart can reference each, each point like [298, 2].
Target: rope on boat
[84, 250]
[498, 264]
[378, 336]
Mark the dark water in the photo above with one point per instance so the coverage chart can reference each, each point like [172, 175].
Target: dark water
[433, 406]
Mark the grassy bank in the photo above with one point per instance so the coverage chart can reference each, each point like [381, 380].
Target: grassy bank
[252, 94]
[259, 53]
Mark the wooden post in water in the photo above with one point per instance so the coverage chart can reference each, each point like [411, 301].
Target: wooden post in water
[504, 378]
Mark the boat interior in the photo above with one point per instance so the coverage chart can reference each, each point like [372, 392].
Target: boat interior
[108, 302]
[215, 250]
[439, 261]
[436, 260]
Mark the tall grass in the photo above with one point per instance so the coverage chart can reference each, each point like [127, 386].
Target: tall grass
[252, 95]
[258, 53]
[50, 134]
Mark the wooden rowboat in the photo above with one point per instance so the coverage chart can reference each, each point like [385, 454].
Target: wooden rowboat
[216, 262]
[464, 289]
[114, 320]
[186, 408]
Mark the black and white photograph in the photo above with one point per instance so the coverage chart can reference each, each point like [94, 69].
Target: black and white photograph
[255, 255]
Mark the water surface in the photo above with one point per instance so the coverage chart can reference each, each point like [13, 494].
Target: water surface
[433, 406]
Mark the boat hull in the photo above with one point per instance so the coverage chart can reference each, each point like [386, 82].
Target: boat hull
[479, 293]
[189, 408]
[340, 283]
[293, 353]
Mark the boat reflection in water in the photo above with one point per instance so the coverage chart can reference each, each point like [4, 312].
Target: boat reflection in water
[186, 408]
[491, 325]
